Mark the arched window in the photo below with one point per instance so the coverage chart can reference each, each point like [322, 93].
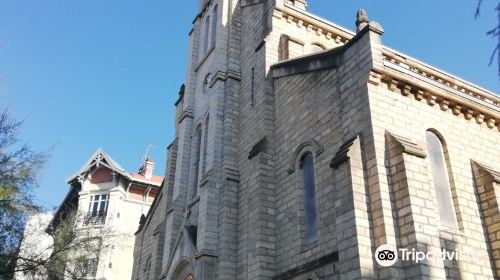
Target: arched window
[206, 35]
[315, 48]
[196, 169]
[441, 180]
[307, 168]
[214, 25]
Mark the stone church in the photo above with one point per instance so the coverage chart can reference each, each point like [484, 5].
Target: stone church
[301, 147]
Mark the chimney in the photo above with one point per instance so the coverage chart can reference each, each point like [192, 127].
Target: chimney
[147, 168]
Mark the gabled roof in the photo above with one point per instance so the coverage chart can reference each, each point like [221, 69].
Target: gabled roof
[100, 158]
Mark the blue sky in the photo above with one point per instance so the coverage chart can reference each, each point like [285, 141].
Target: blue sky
[85, 74]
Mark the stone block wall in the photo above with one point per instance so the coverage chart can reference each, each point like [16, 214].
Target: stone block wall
[407, 181]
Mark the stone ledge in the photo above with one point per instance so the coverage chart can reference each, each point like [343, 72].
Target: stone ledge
[232, 174]
[187, 113]
[343, 154]
[223, 76]
[495, 175]
[328, 59]
[258, 148]
[206, 253]
[407, 145]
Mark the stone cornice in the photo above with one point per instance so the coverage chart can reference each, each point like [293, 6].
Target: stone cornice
[206, 253]
[320, 26]
[439, 79]
[223, 76]
[232, 174]
[187, 113]
[448, 99]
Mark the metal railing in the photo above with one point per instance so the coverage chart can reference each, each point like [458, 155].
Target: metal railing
[95, 218]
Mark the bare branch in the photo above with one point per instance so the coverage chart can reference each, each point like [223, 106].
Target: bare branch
[478, 9]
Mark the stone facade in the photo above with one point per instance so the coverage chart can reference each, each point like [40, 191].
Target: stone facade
[274, 83]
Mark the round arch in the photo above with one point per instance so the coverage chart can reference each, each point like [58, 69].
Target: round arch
[183, 270]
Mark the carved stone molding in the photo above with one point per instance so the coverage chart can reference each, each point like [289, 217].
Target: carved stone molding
[232, 174]
[495, 175]
[303, 19]
[258, 148]
[431, 98]
[206, 253]
[313, 145]
[407, 145]
[187, 113]
[343, 154]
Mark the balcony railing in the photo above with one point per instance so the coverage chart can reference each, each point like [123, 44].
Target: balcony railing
[95, 218]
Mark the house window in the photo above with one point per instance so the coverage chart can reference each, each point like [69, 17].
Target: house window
[90, 268]
[441, 180]
[196, 168]
[206, 35]
[307, 168]
[98, 208]
[214, 25]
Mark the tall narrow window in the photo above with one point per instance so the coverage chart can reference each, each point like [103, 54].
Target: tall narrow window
[205, 146]
[206, 35]
[307, 167]
[252, 97]
[98, 208]
[196, 168]
[441, 181]
[214, 25]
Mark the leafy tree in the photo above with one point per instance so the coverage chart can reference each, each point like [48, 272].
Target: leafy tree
[72, 251]
[19, 166]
